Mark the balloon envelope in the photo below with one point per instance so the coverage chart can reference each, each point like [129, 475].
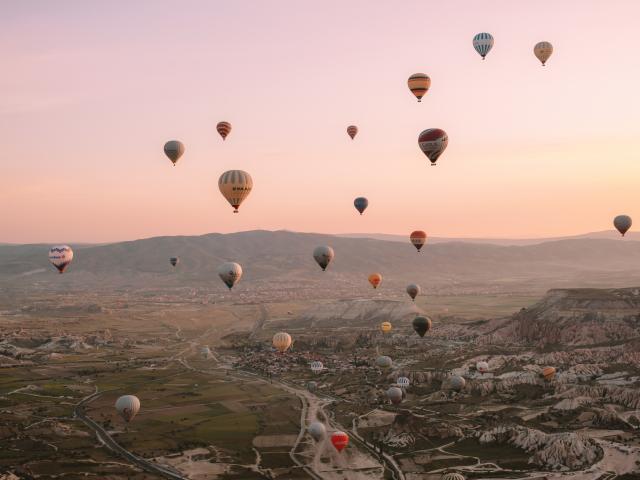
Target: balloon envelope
[543, 51]
[223, 128]
[339, 440]
[317, 430]
[385, 327]
[174, 261]
[404, 382]
[235, 186]
[174, 150]
[483, 43]
[457, 383]
[421, 325]
[452, 476]
[418, 238]
[312, 386]
[361, 204]
[323, 256]
[352, 131]
[230, 273]
[413, 290]
[419, 84]
[622, 223]
[384, 361]
[482, 367]
[60, 256]
[128, 406]
[395, 395]
[375, 279]
[316, 366]
[282, 341]
[432, 142]
[548, 373]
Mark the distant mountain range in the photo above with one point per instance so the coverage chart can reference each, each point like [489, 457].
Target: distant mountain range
[283, 259]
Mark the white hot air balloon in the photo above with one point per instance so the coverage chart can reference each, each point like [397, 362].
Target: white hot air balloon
[317, 431]
[323, 256]
[60, 256]
[483, 43]
[403, 382]
[235, 186]
[230, 273]
[128, 406]
[316, 366]
[482, 367]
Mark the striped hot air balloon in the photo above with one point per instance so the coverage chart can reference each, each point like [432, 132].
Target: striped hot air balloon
[224, 129]
[543, 51]
[60, 256]
[418, 239]
[316, 366]
[352, 131]
[548, 373]
[419, 84]
[403, 382]
[452, 476]
[432, 142]
[483, 42]
[282, 341]
[235, 186]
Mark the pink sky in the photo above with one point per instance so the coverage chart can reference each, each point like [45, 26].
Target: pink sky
[92, 90]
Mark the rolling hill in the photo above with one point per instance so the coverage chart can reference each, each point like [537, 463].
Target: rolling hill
[284, 258]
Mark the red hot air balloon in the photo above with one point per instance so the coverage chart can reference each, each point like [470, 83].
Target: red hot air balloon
[224, 129]
[339, 440]
[433, 142]
[418, 238]
[352, 131]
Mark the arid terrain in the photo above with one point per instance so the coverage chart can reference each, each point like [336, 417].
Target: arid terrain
[219, 402]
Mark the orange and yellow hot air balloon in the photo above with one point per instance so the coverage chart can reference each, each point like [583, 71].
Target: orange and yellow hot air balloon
[548, 373]
[419, 84]
[282, 341]
[385, 327]
[375, 279]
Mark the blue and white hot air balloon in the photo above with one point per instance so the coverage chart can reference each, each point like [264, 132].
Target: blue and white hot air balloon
[483, 42]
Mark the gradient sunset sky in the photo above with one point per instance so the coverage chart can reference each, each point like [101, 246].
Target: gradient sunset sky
[92, 90]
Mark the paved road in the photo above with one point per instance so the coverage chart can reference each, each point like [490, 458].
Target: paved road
[111, 444]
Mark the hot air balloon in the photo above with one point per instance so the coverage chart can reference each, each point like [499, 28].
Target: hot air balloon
[316, 366]
[452, 476]
[312, 386]
[432, 142]
[622, 223]
[205, 352]
[548, 373]
[128, 406]
[413, 290]
[60, 256]
[235, 186]
[543, 51]
[339, 440]
[323, 255]
[456, 383]
[352, 131]
[483, 43]
[282, 341]
[395, 395]
[418, 239]
[317, 431]
[375, 279]
[174, 150]
[384, 362]
[421, 325]
[482, 367]
[230, 273]
[385, 327]
[403, 382]
[224, 129]
[361, 204]
[419, 84]
[174, 261]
